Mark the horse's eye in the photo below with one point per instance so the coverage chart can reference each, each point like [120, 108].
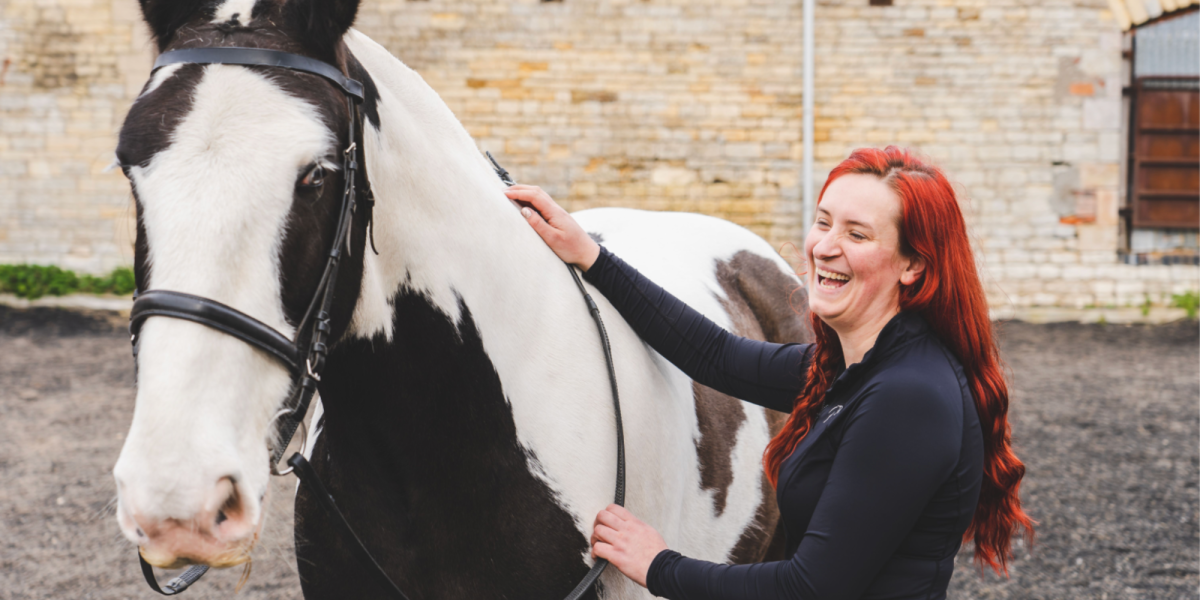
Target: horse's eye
[315, 177]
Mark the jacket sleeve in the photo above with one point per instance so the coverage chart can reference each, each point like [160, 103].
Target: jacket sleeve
[896, 451]
[767, 374]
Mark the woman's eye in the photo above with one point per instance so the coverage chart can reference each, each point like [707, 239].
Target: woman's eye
[858, 236]
[314, 178]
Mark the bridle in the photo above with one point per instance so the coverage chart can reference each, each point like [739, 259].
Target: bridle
[304, 356]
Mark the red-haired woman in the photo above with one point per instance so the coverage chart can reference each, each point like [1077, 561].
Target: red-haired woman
[897, 447]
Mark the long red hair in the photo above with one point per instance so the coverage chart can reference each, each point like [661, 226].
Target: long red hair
[950, 297]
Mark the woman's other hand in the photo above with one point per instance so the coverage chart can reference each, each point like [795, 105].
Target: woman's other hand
[564, 236]
[625, 541]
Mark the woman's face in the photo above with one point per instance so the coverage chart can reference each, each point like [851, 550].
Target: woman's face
[853, 249]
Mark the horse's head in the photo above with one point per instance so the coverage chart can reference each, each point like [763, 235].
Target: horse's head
[238, 176]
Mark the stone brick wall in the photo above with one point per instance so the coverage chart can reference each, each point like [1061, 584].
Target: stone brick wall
[666, 105]
[1020, 102]
[68, 72]
[695, 105]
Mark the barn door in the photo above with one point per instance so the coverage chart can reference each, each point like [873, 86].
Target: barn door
[1166, 153]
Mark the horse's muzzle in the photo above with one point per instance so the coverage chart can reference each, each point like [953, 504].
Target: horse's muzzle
[221, 534]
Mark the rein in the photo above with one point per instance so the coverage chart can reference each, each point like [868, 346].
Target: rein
[304, 356]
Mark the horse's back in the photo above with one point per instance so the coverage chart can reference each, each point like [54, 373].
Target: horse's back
[707, 262]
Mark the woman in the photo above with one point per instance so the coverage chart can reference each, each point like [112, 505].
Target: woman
[897, 447]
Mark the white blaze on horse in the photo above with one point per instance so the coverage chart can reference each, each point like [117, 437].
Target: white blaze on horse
[467, 429]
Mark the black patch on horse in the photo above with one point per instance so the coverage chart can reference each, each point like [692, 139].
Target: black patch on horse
[260, 7]
[150, 125]
[320, 24]
[165, 17]
[419, 449]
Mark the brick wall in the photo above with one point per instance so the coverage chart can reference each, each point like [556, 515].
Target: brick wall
[1020, 103]
[695, 105]
[68, 72]
[666, 105]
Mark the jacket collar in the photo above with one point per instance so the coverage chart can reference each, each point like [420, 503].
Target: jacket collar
[901, 329]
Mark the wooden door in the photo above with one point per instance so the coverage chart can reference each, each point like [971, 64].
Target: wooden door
[1166, 156]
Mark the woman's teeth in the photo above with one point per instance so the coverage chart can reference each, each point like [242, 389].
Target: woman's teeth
[831, 280]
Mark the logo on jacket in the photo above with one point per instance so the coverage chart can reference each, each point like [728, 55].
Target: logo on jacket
[832, 413]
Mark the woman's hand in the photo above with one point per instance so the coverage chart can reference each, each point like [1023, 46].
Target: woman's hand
[564, 236]
[625, 541]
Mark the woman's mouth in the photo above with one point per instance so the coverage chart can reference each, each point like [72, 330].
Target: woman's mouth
[831, 280]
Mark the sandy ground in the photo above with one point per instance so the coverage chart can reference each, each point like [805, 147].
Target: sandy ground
[1107, 420]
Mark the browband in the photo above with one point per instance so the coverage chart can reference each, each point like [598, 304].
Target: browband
[262, 58]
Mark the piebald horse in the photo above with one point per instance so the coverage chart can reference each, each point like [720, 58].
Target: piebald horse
[465, 426]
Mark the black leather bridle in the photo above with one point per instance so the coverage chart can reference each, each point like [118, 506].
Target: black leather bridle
[304, 356]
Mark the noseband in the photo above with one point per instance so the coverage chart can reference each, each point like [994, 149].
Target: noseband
[304, 356]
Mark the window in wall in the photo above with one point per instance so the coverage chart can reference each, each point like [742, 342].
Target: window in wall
[1163, 200]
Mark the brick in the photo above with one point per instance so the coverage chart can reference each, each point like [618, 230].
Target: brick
[1082, 89]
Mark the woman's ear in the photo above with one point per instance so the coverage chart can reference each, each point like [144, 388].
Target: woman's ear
[913, 272]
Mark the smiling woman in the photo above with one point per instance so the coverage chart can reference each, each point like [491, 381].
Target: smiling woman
[896, 449]
[856, 259]
[932, 273]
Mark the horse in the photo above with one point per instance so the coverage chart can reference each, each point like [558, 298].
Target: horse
[465, 425]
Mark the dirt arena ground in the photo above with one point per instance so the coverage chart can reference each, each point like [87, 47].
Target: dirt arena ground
[1107, 420]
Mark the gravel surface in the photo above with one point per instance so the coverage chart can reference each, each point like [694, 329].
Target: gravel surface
[66, 400]
[1107, 421]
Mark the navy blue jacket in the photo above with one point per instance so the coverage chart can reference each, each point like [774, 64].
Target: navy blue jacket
[875, 499]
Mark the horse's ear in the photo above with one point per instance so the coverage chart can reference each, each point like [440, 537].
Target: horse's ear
[165, 17]
[321, 23]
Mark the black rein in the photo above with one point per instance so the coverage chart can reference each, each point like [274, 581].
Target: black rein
[305, 355]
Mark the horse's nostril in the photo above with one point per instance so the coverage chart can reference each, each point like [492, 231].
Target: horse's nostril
[141, 533]
[231, 509]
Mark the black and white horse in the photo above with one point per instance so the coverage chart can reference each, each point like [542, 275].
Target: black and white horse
[465, 427]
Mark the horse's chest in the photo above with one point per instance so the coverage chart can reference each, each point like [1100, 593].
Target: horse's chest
[420, 450]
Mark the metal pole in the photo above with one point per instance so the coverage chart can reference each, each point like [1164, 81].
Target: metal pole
[807, 179]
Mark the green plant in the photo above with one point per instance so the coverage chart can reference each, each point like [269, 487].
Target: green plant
[1189, 301]
[35, 281]
[1146, 306]
[120, 282]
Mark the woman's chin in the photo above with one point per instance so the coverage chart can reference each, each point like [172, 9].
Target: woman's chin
[825, 310]
[828, 301]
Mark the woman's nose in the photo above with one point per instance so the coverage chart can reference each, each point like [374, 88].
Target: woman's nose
[826, 247]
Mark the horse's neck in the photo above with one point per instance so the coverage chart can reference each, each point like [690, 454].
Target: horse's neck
[443, 227]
